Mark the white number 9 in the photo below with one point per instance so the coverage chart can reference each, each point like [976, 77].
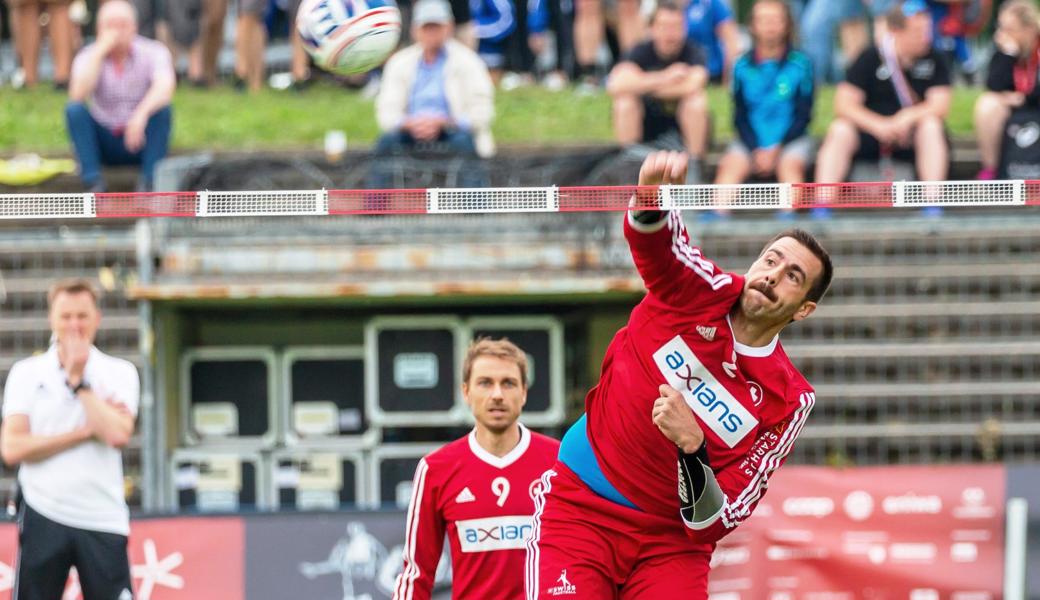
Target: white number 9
[500, 488]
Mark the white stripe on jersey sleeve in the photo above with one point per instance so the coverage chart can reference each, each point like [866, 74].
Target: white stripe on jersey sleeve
[740, 509]
[406, 580]
[691, 255]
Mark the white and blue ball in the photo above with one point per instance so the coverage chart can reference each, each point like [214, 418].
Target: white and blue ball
[349, 36]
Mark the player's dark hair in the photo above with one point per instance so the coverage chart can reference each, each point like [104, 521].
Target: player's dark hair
[502, 348]
[820, 285]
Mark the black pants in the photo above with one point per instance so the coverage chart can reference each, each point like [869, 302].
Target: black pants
[47, 550]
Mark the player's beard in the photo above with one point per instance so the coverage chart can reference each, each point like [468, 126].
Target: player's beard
[498, 422]
[757, 301]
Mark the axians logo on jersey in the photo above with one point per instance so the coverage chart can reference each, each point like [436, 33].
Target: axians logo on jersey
[563, 586]
[494, 533]
[710, 401]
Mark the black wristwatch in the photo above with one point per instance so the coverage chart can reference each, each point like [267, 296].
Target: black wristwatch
[79, 387]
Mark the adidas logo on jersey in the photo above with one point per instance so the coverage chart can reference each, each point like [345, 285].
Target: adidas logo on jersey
[707, 333]
[465, 496]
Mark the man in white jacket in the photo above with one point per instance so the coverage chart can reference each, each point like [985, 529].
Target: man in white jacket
[436, 91]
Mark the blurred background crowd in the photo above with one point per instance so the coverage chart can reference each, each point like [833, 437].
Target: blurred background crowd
[894, 64]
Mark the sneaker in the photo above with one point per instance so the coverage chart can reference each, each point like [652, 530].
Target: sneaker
[986, 174]
[554, 82]
[98, 187]
[588, 86]
[143, 186]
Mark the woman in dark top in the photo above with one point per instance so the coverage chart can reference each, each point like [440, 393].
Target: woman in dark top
[1011, 81]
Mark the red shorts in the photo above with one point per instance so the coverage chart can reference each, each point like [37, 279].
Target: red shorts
[584, 546]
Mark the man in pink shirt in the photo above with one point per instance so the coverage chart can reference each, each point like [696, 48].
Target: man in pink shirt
[119, 99]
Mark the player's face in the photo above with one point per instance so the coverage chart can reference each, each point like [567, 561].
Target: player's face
[777, 283]
[495, 392]
[768, 23]
[668, 32]
[74, 314]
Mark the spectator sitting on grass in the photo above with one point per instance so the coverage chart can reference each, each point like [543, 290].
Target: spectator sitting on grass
[658, 88]
[772, 103]
[1012, 79]
[129, 82]
[436, 92]
[893, 103]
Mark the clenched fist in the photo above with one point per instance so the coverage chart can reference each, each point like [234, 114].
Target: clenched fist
[676, 421]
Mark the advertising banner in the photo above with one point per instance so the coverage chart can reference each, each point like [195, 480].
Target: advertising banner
[885, 533]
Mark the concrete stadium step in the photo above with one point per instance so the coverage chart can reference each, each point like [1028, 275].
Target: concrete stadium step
[919, 430]
[935, 328]
[855, 392]
[915, 349]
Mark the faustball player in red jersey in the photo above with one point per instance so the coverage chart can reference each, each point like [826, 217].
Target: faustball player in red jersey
[479, 490]
[699, 367]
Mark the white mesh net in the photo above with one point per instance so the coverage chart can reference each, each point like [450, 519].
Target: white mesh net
[903, 194]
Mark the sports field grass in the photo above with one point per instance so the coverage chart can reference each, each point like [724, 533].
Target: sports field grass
[222, 119]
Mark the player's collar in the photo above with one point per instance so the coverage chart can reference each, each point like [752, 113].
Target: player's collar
[752, 351]
[500, 462]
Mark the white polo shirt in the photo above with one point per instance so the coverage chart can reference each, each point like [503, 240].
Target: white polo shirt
[81, 487]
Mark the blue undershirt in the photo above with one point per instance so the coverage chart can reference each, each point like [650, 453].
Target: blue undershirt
[576, 452]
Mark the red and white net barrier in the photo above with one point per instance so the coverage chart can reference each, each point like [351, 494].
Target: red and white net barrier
[902, 194]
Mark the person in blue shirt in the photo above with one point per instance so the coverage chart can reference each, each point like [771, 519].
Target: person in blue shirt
[772, 103]
[495, 21]
[710, 25]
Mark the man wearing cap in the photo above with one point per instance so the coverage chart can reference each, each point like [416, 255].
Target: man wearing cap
[893, 102]
[436, 91]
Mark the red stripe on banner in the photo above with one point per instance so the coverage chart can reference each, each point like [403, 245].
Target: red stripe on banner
[1032, 192]
[859, 195]
[156, 204]
[181, 558]
[377, 202]
[601, 198]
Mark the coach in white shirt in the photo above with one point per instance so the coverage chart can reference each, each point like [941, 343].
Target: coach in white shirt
[66, 414]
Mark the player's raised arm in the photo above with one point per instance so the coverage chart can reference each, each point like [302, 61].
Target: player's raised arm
[672, 269]
[423, 540]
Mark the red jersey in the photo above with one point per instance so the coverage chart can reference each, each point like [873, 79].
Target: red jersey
[750, 402]
[484, 503]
